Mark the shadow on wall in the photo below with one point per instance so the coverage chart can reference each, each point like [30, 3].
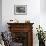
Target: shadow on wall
[43, 6]
[0, 15]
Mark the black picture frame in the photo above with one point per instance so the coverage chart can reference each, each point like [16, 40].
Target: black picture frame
[20, 9]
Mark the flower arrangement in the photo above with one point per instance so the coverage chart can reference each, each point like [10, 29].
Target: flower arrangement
[40, 34]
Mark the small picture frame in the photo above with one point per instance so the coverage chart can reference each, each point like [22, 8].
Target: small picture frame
[20, 9]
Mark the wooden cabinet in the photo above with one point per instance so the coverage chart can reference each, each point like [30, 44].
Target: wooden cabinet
[22, 33]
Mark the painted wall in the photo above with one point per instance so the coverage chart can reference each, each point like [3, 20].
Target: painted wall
[33, 11]
[43, 14]
[43, 6]
[33, 14]
[0, 15]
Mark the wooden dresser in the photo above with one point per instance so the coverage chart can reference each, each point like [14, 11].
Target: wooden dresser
[22, 33]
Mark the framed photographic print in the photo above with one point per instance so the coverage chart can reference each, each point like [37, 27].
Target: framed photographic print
[20, 9]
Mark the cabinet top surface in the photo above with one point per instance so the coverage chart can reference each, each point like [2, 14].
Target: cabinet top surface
[19, 23]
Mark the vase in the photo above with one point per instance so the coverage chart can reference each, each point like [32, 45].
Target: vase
[41, 43]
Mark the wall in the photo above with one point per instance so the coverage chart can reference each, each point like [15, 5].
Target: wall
[43, 14]
[43, 6]
[0, 15]
[34, 14]
[33, 10]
